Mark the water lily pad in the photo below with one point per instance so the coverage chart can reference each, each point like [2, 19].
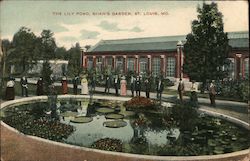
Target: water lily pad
[69, 114]
[114, 116]
[211, 142]
[81, 119]
[115, 124]
[127, 113]
[218, 150]
[105, 110]
[234, 138]
[2, 114]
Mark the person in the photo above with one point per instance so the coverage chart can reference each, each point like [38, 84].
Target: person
[39, 89]
[84, 84]
[193, 96]
[24, 86]
[92, 83]
[147, 86]
[132, 85]
[123, 86]
[212, 93]
[138, 86]
[181, 89]
[75, 84]
[116, 84]
[159, 88]
[64, 85]
[10, 89]
[107, 84]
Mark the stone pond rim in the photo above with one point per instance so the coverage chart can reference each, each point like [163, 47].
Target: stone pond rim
[243, 154]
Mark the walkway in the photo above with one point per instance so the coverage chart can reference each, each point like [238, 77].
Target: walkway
[234, 109]
[17, 147]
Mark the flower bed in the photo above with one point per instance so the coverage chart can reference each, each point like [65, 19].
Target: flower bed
[108, 144]
[43, 127]
[137, 103]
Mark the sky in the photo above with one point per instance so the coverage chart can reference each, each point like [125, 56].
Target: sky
[88, 22]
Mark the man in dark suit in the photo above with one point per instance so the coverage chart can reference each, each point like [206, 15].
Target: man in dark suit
[159, 88]
[107, 84]
[147, 84]
[138, 86]
[24, 86]
[116, 84]
[132, 85]
[75, 84]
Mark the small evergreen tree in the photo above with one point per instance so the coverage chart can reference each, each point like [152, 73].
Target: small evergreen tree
[207, 46]
[74, 66]
[46, 74]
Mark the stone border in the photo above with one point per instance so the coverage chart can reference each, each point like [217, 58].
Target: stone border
[241, 153]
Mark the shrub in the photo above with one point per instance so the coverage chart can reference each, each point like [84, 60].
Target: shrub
[185, 116]
[235, 89]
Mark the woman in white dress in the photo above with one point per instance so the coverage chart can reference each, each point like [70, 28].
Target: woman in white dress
[84, 84]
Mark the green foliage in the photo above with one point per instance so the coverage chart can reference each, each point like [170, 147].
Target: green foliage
[61, 53]
[237, 89]
[74, 66]
[245, 90]
[24, 49]
[168, 82]
[186, 116]
[48, 43]
[207, 46]
[25, 123]
[39, 110]
[46, 74]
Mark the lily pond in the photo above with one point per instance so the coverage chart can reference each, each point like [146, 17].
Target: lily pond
[128, 127]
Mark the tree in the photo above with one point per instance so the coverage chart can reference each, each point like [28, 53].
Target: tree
[207, 46]
[6, 48]
[46, 74]
[23, 53]
[48, 45]
[87, 47]
[74, 66]
[61, 53]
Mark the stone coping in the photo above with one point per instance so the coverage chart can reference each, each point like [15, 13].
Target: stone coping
[245, 153]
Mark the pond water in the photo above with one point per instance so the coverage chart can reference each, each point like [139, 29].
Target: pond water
[140, 132]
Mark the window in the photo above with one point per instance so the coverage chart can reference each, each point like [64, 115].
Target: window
[90, 62]
[246, 67]
[119, 64]
[156, 66]
[143, 65]
[109, 62]
[171, 65]
[130, 64]
[99, 63]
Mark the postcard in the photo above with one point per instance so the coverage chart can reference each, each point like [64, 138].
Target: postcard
[124, 80]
